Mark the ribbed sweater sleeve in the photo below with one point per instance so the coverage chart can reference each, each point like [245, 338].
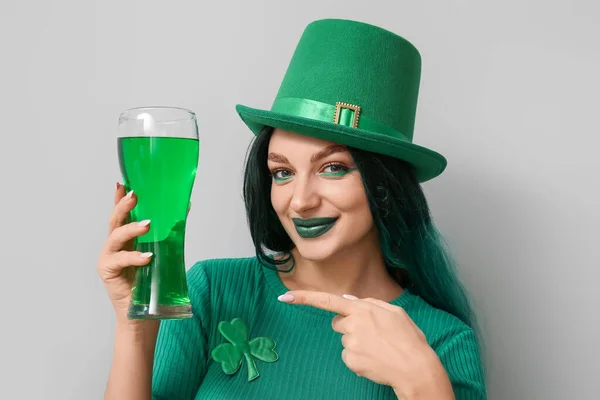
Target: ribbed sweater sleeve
[461, 358]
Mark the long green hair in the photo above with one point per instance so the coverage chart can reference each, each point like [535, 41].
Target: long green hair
[414, 250]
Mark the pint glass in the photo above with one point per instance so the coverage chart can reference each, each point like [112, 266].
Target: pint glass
[158, 151]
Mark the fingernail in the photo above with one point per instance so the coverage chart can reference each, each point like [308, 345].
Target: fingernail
[350, 297]
[146, 255]
[130, 194]
[286, 298]
[118, 186]
[144, 222]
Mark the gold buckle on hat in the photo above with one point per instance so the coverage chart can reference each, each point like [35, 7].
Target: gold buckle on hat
[338, 110]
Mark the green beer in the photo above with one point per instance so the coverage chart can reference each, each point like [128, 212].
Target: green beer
[161, 171]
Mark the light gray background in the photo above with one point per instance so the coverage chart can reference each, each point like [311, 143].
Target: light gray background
[510, 94]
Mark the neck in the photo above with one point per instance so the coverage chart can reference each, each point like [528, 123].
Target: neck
[359, 271]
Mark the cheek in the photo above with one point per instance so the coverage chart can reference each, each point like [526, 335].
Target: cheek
[358, 213]
[279, 199]
[349, 198]
[352, 203]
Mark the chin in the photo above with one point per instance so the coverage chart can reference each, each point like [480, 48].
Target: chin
[324, 247]
[312, 250]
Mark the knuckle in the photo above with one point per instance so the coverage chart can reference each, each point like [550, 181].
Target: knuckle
[369, 312]
[112, 262]
[120, 258]
[113, 221]
[350, 360]
[123, 233]
[351, 325]
[129, 258]
[324, 301]
[338, 324]
[115, 235]
[103, 270]
[350, 342]
[119, 213]
[119, 208]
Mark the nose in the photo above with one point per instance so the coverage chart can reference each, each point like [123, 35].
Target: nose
[305, 196]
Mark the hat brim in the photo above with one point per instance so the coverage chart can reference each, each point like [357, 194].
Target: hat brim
[428, 164]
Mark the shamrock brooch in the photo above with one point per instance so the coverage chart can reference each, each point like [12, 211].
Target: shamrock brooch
[230, 354]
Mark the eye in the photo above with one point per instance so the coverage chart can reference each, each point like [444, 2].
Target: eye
[281, 175]
[335, 170]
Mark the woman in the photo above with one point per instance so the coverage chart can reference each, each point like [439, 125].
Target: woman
[350, 294]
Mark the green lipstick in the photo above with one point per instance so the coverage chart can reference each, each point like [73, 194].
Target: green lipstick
[313, 227]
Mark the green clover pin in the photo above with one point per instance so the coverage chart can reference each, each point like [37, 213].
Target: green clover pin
[230, 354]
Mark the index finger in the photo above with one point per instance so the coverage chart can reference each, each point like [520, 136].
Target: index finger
[322, 300]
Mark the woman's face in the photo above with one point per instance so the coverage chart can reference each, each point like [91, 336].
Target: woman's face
[318, 194]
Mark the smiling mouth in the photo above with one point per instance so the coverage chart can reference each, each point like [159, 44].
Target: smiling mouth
[313, 227]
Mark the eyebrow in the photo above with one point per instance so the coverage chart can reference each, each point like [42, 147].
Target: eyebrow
[327, 151]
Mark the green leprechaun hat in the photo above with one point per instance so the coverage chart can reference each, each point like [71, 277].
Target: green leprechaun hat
[356, 84]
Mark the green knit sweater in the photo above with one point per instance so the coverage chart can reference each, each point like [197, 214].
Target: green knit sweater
[282, 351]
